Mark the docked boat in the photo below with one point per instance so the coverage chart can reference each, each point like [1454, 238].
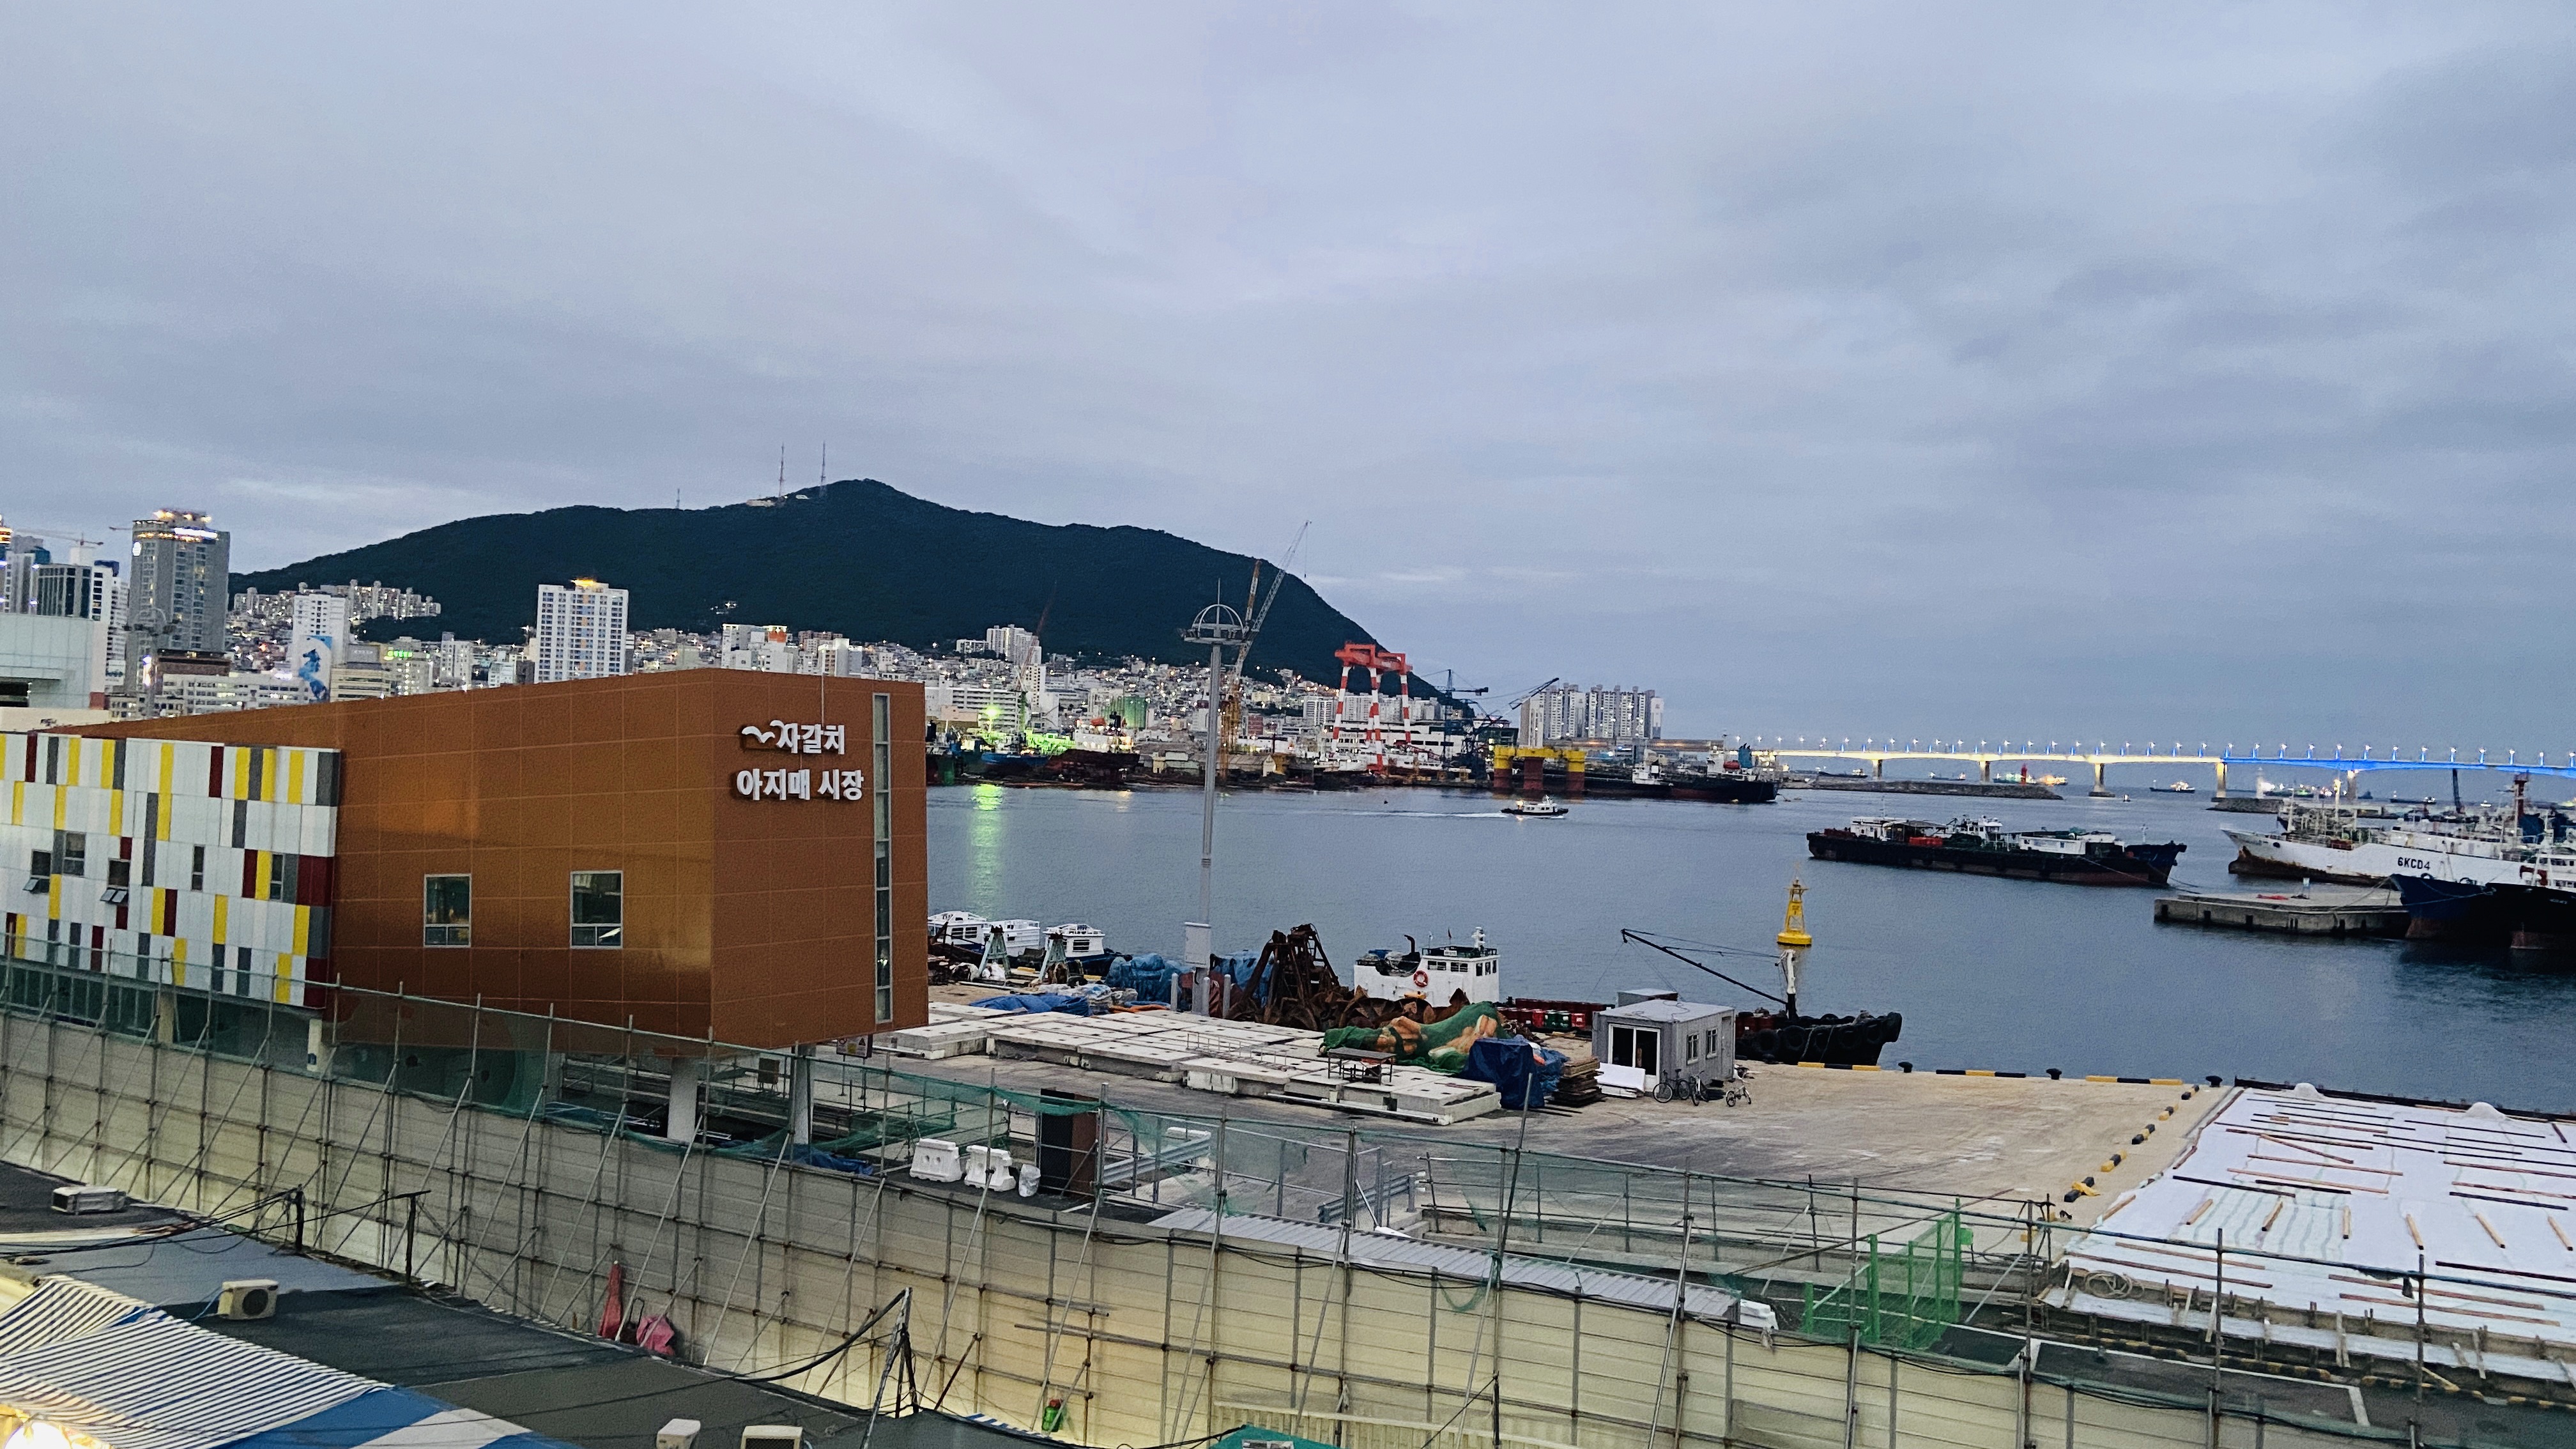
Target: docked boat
[2330, 843]
[1973, 846]
[2524, 915]
[1727, 785]
[1541, 808]
[1435, 977]
[1083, 945]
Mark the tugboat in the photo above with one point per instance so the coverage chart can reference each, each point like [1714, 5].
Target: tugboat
[1984, 847]
[1541, 808]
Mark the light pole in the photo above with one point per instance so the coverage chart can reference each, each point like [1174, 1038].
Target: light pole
[1218, 627]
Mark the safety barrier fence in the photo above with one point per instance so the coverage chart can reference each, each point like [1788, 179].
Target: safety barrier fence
[529, 1149]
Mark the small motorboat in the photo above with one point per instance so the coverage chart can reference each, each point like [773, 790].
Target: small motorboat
[2178, 787]
[1540, 808]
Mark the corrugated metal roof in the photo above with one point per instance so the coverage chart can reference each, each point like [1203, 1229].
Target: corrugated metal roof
[1391, 1253]
[137, 1378]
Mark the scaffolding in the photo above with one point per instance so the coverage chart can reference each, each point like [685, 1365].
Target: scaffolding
[1209, 1272]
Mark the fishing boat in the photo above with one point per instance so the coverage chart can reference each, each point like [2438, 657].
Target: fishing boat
[2329, 843]
[1541, 808]
[1437, 976]
[1976, 846]
[2178, 787]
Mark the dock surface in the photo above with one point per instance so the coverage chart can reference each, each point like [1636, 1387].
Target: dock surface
[1982, 1139]
[2350, 912]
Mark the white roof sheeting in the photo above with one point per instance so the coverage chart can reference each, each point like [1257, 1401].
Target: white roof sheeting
[1388, 1252]
[2370, 1189]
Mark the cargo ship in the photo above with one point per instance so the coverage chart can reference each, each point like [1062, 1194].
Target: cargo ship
[1985, 847]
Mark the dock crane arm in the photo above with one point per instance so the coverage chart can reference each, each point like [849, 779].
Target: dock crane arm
[1628, 935]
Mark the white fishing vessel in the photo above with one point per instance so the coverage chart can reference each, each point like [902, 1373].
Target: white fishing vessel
[1435, 976]
[2329, 843]
[1541, 808]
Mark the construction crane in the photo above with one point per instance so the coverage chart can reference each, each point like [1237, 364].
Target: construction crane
[1230, 713]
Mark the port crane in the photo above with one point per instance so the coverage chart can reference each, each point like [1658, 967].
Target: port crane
[1256, 614]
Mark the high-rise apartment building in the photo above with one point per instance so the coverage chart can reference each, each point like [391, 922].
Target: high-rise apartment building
[581, 631]
[1012, 642]
[178, 594]
[318, 641]
[1611, 714]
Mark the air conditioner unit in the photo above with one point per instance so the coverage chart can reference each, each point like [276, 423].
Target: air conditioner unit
[247, 1298]
[88, 1198]
[677, 1434]
[773, 1436]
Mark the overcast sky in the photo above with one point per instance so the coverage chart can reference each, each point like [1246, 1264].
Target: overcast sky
[2040, 370]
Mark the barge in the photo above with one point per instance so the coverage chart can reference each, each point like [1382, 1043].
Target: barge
[1984, 847]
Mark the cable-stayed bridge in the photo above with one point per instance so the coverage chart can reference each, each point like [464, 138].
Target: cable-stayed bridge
[2101, 755]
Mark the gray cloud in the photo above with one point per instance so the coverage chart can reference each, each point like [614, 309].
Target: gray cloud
[2185, 371]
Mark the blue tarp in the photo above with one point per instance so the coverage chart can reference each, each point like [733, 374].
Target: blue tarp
[1036, 1003]
[1524, 1075]
[1150, 976]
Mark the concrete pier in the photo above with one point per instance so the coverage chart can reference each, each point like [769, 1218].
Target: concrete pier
[2334, 913]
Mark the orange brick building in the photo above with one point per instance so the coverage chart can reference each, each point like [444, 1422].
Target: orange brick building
[706, 851]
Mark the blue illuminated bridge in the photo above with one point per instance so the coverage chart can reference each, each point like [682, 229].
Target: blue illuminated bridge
[1778, 750]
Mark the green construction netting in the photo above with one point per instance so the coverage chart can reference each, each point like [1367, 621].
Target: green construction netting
[1901, 1299]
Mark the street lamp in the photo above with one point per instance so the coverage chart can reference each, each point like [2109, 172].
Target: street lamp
[1219, 628]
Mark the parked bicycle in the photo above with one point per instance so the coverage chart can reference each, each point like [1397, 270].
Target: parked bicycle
[1728, 1093]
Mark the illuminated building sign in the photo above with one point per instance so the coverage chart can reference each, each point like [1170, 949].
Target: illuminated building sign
[797, 739]
[800, 784]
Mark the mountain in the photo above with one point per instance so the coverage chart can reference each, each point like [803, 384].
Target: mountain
[856, 558]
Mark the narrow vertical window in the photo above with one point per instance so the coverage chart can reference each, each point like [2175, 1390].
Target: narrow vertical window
[197, 868]
[447, 910]
[881, 763]
[599, 909]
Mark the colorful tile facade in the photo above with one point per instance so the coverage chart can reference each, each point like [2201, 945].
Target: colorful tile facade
[175, 861]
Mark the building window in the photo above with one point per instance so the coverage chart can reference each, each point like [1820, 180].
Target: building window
[881, 725]
[447, 910]
[71, 853]
[197, 869]
[599, 908]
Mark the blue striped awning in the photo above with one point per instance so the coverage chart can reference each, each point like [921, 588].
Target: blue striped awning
[134, 1377]
[61, 1308]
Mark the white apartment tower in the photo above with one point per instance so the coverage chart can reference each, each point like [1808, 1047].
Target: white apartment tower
[581, 631]
[318, 641]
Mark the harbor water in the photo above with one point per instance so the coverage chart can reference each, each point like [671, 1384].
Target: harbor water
[2009, 975]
